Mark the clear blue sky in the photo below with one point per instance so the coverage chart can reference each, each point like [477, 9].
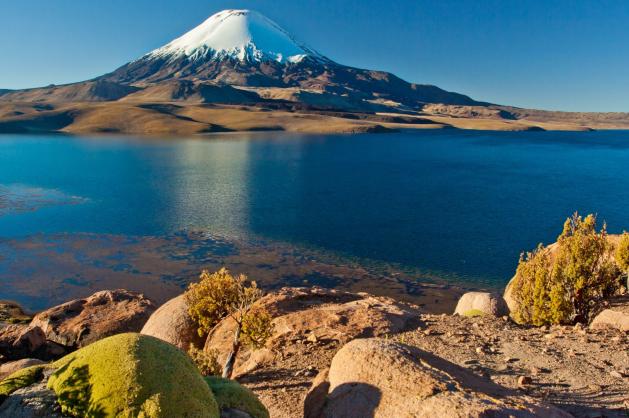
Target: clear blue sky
[555, 54]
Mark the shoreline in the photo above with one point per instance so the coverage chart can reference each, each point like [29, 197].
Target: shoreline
[181, 119]
[161, 267]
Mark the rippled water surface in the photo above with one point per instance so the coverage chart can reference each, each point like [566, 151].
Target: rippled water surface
[455, 205]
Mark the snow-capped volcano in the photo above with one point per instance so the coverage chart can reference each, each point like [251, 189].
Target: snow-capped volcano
[242, 48]
[245, 35]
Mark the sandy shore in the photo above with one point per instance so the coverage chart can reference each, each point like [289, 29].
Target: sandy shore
[183, 119]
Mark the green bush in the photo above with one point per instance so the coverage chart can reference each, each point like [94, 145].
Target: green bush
[229, 394]
[206, 361]
[561, 286]
[220, 295]
[622, 252]
[472, 313]
[212, 298]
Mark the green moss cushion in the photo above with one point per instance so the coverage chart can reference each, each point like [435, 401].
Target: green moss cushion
[229, 394]
[473, 313]
[131, 375]
[20, 379]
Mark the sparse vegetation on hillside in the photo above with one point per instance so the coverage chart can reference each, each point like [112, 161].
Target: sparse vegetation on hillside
[219, 295]
[562, 286]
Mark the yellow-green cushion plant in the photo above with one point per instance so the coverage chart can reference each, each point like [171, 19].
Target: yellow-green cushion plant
[131, 375]
[473, 313]
[20, 379]
[229, 394]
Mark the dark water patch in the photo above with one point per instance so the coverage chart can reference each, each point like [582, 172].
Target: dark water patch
[144, 264]
[76, 281]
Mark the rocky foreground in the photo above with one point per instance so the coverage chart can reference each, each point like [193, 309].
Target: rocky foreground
[340, 354]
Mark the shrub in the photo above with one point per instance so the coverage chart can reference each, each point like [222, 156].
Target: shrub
[210, 299]
[622, 252]
[561, 287]
[206, 361]
[219, 295]
[530, 286]
[256, 328]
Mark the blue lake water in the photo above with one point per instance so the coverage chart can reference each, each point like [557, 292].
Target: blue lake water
[460, 204]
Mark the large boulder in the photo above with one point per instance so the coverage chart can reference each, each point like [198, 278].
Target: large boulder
[11, 367]
[481, 303]
[317, 395]
[172, 323]
[317, 314]
[610, 318]
[84, 321]
[20, 341]
[123, 375]
[380, 378]
[616, 316]
[512, 303]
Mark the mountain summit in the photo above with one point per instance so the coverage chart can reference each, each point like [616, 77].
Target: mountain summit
[243, 48]
[245, 35]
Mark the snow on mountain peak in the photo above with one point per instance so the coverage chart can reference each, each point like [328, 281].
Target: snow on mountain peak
[245, 35]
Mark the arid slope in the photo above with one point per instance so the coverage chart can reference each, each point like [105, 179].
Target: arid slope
[133, 115]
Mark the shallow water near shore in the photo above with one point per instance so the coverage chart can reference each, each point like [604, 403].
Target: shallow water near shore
[416, 215]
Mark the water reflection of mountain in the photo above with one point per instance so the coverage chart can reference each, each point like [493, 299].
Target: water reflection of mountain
[209, 186]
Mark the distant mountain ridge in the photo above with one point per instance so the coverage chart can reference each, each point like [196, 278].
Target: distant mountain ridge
[242, 48]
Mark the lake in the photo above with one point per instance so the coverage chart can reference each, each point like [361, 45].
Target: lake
[384, 213]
